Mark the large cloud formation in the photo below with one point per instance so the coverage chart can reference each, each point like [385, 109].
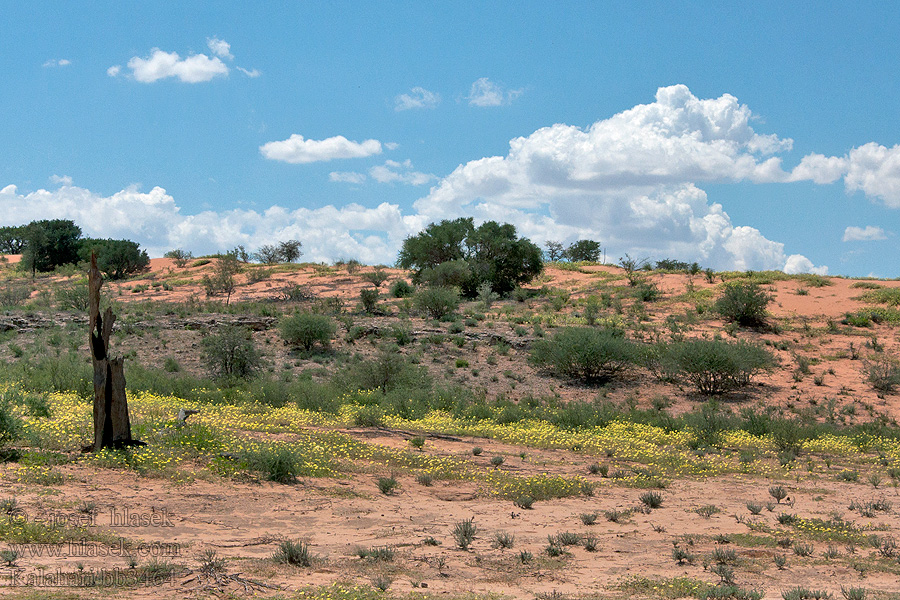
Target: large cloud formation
[153, 219]
[632, 181]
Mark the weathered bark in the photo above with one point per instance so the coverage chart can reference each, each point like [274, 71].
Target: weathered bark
[112, 426]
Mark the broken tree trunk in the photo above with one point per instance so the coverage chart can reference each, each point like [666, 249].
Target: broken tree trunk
[112, 427]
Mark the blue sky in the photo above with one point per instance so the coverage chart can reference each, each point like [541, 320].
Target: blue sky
[741, 135]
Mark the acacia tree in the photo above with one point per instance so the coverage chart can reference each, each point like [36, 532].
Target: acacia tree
[555, 251]
[492, 253]
[583, 251]
[115, 258]
[50, 243]
[12, 240]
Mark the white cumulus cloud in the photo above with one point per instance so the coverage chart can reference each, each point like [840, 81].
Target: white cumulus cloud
[869, 233]
[485, 92]
[297, 150]
[220, 48]
[628, 180]
[153, 219]
[875, 170]
[196, 68]
[418, 97]
[57, 62]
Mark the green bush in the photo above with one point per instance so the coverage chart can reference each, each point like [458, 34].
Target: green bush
[306, 330]
[743, 303]
[278, 462]
[369, 299]
[231, 353]
[401, 289]
[713, 366]
[437, 302]
[883, 373]
[586, 353]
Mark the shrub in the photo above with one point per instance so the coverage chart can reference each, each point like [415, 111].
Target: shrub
[293, 553]
[743, 303]
[524, 502]
[503, 540]
[278, 463]
[387, 485]
[74, 296]
[231, 353]
[883, 373]
[306, 330]
[651, 499]
[401, 289]
[464, 532]
[713, 366]
[376, 277]
[369, 299]
[586, 353]
[436, 302]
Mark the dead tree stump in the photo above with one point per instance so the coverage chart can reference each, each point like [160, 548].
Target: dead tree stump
[112, 426]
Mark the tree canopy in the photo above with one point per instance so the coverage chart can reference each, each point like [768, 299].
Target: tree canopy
[116, 259]
[50, 243]
[490, 253]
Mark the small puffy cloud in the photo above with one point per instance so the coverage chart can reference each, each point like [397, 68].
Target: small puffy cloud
[196, 68]
[347, 177]
[251, 73]
[9, 190]
[820, 169]
[875, 170]
[396, 172]
[61, 179]
[418, 97]
[797, 263]
[220, 48]
[869, 233]
[485, 92]
[297, 150]
[61, 62]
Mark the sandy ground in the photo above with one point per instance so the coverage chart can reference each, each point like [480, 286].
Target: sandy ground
[244, 521]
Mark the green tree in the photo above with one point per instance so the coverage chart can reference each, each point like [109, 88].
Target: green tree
[181, 257]
[583, 251]
[555, 251]
[223, 279]
[492, 253]
[289, 250]
[116, 259]
[13, 240]
[49, 244]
